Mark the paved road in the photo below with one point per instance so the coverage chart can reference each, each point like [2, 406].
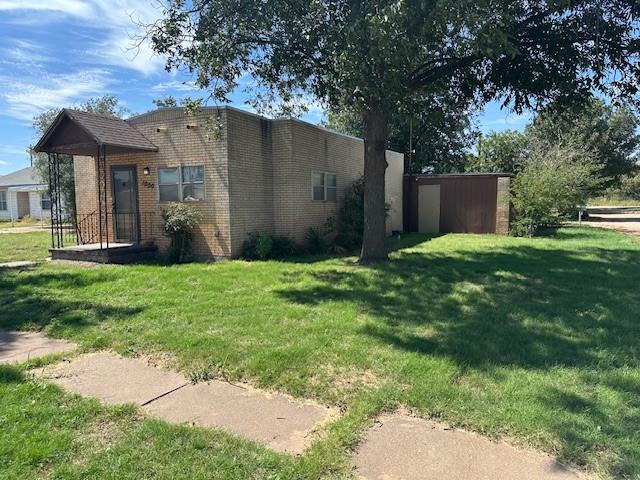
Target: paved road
[615, 219]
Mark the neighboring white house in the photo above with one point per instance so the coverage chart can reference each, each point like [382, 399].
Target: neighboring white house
[22, 194]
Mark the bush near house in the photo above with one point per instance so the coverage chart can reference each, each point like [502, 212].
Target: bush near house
[180, 220]
[555, 180]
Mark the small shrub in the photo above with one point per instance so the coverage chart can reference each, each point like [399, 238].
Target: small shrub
[349, 223]
[315, 241]
[554, 182]
[282, 247]
[180, 221]
[262, 246]
[350, 220]
[257, 246]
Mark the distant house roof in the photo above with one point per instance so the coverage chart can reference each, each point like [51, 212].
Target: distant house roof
[26, 176]
[79, 133]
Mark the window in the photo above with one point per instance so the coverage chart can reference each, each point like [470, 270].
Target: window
[168, 184]
[45, 201]
[181, 183]
[192, 184]
[3, 199]
[325, 187]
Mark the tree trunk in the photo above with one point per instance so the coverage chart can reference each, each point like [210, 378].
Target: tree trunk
[375, 164]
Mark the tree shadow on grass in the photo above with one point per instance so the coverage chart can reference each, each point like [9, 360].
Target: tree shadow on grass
[29, 300]
[519, 306]
[526, 307]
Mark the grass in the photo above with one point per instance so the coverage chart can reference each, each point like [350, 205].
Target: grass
[613, 202]
[47, 433]
[533, 340]
[24, 246]
[24, 222]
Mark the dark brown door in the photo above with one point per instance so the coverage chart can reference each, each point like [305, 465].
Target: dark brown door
[125, 204]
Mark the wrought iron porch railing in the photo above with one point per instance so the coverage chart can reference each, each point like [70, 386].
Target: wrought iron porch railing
[107, 228]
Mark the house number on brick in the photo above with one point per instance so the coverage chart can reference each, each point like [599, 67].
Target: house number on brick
[148, 184]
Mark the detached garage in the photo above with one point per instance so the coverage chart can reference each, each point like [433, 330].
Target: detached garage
[460, 203]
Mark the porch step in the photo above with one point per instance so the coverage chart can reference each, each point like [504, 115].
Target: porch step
[117, 253]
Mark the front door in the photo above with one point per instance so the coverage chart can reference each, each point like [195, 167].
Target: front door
[125, 204]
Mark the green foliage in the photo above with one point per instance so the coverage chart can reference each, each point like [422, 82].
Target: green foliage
[610, 133]
[282, 247]
[434, 134]
[537, 342]
[350, 218]
[165, 102]
[315, 241]
[382, 59]
[630, 186]
[180, 221]
[257, 246]
[262, 246]
[628, 190]
[555, 180]
[498, 152]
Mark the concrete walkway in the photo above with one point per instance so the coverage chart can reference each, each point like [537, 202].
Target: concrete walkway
[22, 346]
[276, 420]
[403, 447]
[18, 264]
[397, 447]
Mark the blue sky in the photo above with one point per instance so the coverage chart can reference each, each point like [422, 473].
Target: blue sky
[58, 53]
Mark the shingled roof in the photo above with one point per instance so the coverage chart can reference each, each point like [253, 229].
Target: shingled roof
[25, 176]
[77, 132]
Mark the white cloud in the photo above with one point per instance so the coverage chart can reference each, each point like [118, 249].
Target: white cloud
[23, 52]
[175, 86]
[2, 162]
[22, 99]
[120, 21]
[71, 7]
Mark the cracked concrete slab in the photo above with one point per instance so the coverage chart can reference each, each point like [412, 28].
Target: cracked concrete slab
[22, 346]
[114, 379]
[274, 419]
[404, 447]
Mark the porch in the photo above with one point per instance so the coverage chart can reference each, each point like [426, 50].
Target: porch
[97, 253]
[106, 225]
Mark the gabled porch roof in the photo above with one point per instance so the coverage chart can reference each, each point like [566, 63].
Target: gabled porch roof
[74, 132]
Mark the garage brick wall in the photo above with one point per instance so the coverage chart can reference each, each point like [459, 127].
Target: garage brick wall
[503, 206]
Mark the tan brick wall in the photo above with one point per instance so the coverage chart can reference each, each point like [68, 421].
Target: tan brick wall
[84, 172]
[503, 207]
[312, 149]
[270, 176]
[258, 175]
[250, 177]
[176, 146]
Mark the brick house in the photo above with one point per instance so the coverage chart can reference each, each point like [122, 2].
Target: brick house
[245, 173]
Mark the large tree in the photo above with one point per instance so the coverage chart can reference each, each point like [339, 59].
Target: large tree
[378, 58]
[498, 152]
[610, 133]
[434, 135]
[106, 105]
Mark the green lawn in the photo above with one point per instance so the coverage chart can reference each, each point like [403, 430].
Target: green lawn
[533, 340]
[24, 246]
